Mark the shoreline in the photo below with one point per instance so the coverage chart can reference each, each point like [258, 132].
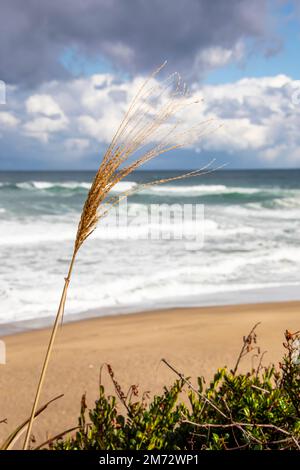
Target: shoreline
[196, 341]
[264, 295]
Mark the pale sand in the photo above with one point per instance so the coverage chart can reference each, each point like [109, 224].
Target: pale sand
[196, 341]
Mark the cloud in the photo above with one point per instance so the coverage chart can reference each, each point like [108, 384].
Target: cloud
[258, 116]
[41, 127]
[135, 35]
[48, 117]
[218, 56]
[76, 145]
[44, 105]
[8, 120]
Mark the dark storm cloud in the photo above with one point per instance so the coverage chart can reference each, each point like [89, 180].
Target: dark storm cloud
[134, 35]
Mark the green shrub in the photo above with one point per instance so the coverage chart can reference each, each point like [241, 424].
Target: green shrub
[256, 410]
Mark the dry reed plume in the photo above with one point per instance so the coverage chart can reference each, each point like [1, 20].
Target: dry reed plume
[148, 129]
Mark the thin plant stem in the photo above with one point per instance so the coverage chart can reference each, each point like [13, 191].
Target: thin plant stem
[49, 349]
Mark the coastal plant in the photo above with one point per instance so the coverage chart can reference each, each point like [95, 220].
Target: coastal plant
[256, 410]
[151, 127]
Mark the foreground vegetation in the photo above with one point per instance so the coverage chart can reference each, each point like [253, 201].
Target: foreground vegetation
[257, 410]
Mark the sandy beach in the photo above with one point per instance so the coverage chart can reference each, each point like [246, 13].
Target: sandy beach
[195, 341]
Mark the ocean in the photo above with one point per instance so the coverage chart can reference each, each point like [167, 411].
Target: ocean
[250, 251]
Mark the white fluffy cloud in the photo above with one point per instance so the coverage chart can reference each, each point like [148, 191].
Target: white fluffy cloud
[257, 116]
[218, 56]
[8, 120]
[48, 117]
[43, 104]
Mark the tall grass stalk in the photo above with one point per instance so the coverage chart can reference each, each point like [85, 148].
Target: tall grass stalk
[148, 129]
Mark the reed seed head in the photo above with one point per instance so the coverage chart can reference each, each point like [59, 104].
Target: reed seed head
[151, 127]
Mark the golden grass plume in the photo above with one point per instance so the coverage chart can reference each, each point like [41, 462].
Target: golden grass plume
[151, 127]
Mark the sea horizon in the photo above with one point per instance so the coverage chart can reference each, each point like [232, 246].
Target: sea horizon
[147, 170]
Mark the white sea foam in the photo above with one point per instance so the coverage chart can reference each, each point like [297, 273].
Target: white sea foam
[124, 186]
[186, 190]
[202, 189]
[71, 185]
[44, 185]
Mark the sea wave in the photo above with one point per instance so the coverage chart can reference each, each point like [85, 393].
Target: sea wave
[44, 185]
[250, 229]
[219, 193]
[218, 190]
[62, 186]
[55, 229]
[201, 189]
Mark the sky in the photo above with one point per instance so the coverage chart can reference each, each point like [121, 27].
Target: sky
[68, 71]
